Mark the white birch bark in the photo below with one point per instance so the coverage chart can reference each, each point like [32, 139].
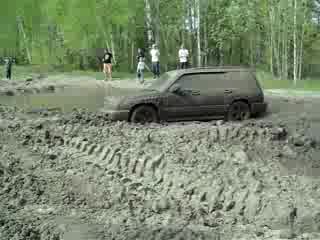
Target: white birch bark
[149, 22]
[21, 27]
[198, 32]
[295, 43]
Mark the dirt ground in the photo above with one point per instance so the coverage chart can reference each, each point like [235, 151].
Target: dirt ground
[77, 176]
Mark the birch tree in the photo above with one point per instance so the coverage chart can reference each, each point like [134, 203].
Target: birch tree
[295, 42]
[276, 36]
[197, 4]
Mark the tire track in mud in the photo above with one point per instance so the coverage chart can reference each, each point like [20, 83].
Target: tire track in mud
[157, 172]
[206, 177]
[216, 172]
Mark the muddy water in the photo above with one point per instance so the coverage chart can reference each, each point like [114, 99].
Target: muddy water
[65, 99]
[91, 97]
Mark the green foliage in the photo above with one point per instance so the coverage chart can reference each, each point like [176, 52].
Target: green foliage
[270, 82]
[69, 34]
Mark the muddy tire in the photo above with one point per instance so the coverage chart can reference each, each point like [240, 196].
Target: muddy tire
[144, 114]
[238, 111]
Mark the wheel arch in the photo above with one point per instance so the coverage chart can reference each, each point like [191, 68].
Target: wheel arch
[143, 104]
[246, 101]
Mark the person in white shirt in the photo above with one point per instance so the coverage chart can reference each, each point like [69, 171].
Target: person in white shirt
[155, 54]
[183, 57]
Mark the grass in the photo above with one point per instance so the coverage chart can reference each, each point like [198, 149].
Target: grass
[266, 79]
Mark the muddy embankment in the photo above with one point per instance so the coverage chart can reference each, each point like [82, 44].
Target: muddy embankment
[76, 175]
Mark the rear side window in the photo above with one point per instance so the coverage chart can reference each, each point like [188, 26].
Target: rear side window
[242, 79]
[203, 81]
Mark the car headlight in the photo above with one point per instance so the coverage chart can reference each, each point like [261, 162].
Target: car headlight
[112, 103]
[123, 103]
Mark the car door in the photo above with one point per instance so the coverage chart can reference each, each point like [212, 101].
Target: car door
[199, 98]
[184, 104]
[212, 93]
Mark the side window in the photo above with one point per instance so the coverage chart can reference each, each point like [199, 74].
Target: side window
[203, 81]
[188, 81]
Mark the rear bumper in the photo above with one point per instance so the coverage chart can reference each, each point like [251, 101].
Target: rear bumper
[257, 108]
[115, 115]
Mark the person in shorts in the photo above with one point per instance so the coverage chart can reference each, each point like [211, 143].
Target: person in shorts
[107, 64]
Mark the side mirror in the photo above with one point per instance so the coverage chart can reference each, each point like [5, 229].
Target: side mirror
[176, 88]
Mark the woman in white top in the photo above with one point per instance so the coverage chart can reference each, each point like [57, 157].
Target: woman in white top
[183, 57]
[155, 54]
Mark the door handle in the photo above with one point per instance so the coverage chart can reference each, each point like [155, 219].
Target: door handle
[195, 92]
[191, 92]
[228, 91]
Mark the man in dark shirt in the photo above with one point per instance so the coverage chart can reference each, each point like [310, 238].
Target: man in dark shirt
[107, 64]
[8, 67]
[140, 54]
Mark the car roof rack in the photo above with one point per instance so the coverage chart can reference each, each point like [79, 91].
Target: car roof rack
[220, 68]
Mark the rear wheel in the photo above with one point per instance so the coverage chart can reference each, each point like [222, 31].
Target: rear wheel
[239, 111]
[144, 114]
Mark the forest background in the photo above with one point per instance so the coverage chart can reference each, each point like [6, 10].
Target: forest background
[280, 38]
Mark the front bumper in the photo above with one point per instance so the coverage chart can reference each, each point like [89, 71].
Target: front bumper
[257, 108]
[117, 115]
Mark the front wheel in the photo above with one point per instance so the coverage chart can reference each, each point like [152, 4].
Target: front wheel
[144, 114]
[239, 111]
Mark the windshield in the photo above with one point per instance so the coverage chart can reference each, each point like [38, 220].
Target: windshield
[161, 83]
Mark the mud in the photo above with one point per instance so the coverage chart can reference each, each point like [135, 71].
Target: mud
[75, 175]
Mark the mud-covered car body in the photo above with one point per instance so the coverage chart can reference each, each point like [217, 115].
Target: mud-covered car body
[194, 94]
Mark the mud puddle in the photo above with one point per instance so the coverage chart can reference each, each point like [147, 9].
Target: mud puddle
[91, 97]
[65, 99]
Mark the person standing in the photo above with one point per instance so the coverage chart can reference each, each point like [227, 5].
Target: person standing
[183, 57]
[155, 54]
[140, 54]
[140, 69]
[8, 67]
[107, 64]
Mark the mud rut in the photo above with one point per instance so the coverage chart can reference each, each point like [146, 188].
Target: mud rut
[78, 176]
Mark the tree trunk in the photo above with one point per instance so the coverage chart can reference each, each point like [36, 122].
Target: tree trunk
[157, 24]
[149, 22]
[132, 57]
[301, 45]
[112, 47]
[271, 40]
[20, 22]
[198, 32]
[295, 43]
[191, 30]
[221, 56]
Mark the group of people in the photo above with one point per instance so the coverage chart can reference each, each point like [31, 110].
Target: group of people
[141, 65]
[155, 61]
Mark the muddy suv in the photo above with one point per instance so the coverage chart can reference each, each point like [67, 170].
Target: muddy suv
[194, 94]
